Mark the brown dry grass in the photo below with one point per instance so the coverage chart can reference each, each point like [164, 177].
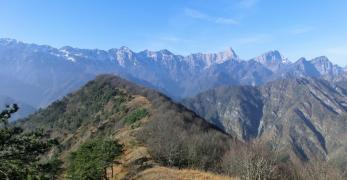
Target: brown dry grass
[160, 173]
[136, 162]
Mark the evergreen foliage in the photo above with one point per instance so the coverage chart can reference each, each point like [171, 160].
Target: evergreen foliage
[92, 158]
[135, 116]
[20, 152]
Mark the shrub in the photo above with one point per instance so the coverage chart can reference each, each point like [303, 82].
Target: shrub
[92, 158]
[135, 116]
[177, 139]
[20, 151]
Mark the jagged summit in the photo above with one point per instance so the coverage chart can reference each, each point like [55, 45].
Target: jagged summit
[325, 66]
[124, 48]
[272, 60]
[229, 53]
[302, 59]
[271, 57]
[210, 59]
[166, 52]
[321, 59]
[55, 72]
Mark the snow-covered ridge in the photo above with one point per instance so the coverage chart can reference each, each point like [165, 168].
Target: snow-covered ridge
[53, 72]
[124, 56]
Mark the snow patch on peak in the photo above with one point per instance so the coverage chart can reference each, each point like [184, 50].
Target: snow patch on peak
[67, 54]
[124, 55]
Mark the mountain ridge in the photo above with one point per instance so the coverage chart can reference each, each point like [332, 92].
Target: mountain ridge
[47, 73]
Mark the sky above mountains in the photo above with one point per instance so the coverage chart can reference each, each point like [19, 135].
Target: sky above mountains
[297, 28]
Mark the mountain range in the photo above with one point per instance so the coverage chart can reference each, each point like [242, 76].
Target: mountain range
[39, 74]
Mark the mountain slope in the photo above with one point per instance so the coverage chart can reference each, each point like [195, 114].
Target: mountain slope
[307, 116]
[144, 121]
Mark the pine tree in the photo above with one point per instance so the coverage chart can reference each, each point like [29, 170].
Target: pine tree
[20, 151]
[91, 159]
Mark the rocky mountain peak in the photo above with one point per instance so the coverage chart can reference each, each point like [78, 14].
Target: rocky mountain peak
[124, 49]
[206, 60]
[325, 67]
[229, 53]
[321, 59]
[273, 60]
[271, 57]
[322, 62]
[165, 52]
[221, 57]
[302, 60]
[67, 48]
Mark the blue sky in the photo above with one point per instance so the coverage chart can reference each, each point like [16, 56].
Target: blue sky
[297, 28]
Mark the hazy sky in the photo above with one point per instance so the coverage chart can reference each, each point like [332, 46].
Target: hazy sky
[297, 28]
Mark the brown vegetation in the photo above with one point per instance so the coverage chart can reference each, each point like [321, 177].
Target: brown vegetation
[160, 173]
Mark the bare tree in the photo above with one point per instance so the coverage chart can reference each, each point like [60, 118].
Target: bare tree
[254, 161]
[321, 170]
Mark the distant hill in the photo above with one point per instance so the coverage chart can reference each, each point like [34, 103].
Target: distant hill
[306, 117]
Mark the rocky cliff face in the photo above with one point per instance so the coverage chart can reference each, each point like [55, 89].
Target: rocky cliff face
[272, 60]
[306, 117]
